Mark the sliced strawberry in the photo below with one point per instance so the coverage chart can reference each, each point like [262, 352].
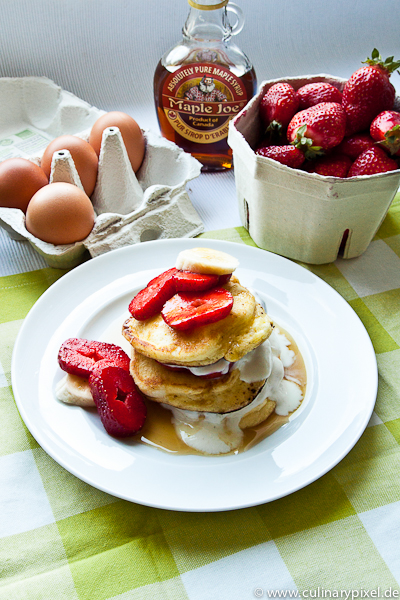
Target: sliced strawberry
[223, 279]
[79, 356]
[188, 310]
[186, 281]
[119, 402]
[149, 301]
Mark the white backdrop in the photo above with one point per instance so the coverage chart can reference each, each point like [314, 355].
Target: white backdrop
[105, 51]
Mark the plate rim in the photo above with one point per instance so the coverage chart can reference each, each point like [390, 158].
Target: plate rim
[219, 244]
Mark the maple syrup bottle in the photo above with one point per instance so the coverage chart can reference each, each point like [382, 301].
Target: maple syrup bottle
[204, 81]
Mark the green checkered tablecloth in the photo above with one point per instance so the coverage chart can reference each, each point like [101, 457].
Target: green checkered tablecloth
[338, 537]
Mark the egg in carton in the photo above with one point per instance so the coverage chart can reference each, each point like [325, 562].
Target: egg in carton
[130, 208]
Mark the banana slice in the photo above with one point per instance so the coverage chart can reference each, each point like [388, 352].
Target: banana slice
[74, 390]
[206, 261]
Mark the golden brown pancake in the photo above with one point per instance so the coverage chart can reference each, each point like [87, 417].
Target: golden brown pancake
[189, 392]
[258, 414]
[245, 328]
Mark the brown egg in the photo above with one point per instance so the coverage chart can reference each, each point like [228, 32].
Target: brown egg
[83, 155]
[130, 131]
[60, 213]
[20, 179]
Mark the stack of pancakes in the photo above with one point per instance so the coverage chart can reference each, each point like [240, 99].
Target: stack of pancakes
[162, 355]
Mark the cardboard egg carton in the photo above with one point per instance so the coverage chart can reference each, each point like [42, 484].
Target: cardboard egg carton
[300, 215]
[130, 208]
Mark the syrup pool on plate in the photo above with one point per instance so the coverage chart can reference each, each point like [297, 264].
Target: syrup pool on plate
[164, 424]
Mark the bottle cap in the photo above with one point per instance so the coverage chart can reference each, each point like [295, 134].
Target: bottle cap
[211, 6]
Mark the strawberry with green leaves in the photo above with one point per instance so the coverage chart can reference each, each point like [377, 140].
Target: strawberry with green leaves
[317, 129]
[368, 92]
[385, 129]
[374, 160]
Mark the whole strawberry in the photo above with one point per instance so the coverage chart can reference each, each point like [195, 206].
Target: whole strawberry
[334, 165]
[385, 128]
[277, 107]
[374, 160]
[355, 144]
[315, 93]
[317, 128]
[287, 155]
[368, 92]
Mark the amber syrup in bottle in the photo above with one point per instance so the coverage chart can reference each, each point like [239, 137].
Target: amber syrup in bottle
[203, 82]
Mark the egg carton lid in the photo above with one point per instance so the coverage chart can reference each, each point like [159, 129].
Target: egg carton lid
[43, 107]
[163, 210]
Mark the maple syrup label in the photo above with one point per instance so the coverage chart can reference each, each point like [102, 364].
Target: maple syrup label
[200, 99]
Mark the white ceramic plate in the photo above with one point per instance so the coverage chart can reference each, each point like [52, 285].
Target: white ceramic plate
[91, 301]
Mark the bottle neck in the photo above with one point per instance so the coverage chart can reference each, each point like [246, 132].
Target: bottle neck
[207, 24]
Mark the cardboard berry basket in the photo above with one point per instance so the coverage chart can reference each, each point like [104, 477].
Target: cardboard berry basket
[300, 215]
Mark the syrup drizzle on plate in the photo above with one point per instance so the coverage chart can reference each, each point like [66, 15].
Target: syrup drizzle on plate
[160, 433]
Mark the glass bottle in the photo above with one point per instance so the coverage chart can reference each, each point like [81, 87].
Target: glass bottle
[204, 81]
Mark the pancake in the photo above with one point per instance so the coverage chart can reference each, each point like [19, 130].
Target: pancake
[189, 392]
[258, 414]
[245, 328]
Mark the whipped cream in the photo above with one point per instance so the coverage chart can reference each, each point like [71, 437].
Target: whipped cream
[257, 364]
[221, 366]
[214, 433]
